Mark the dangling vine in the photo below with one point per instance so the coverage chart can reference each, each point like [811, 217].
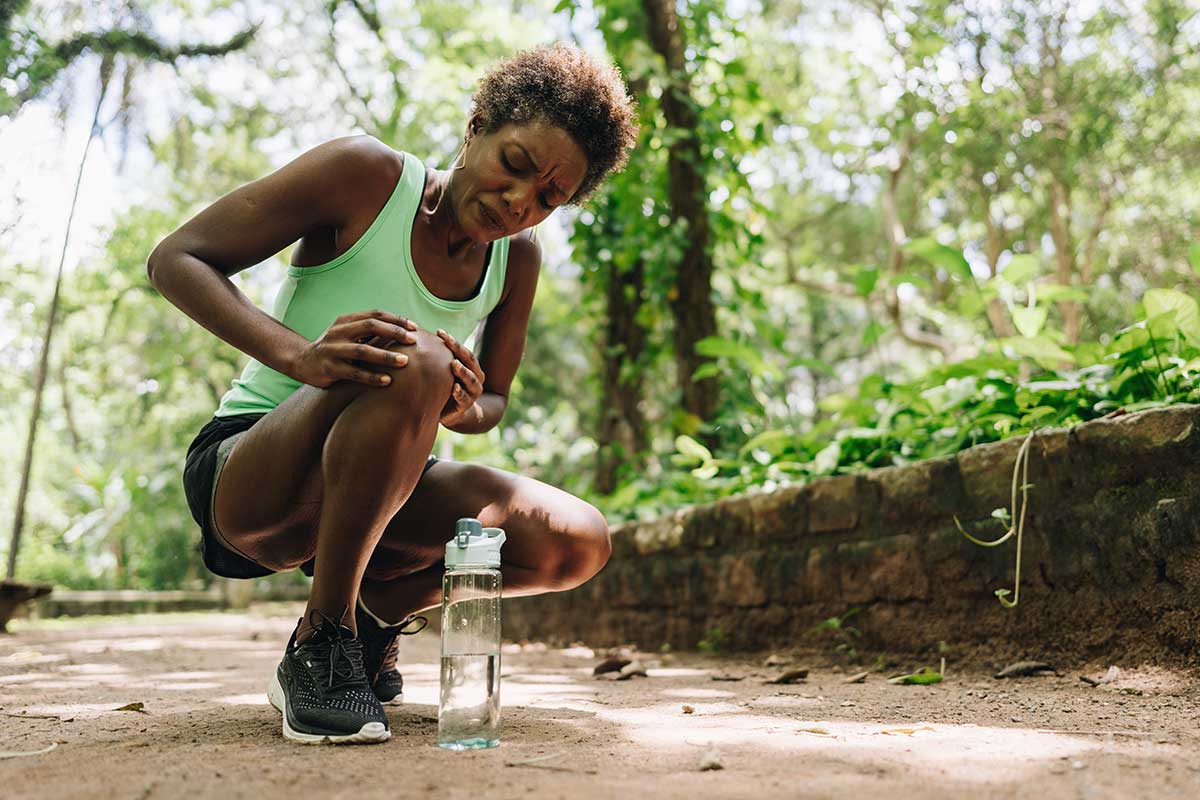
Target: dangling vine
[1021, 471]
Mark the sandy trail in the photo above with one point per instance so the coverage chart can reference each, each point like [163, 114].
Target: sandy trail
[207, 730]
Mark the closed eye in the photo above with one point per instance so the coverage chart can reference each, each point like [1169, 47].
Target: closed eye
[508, 166]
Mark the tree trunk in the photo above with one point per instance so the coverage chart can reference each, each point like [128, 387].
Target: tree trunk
[896, 235]
[622, 436]
[43, 362]
[691, 300]
[1064, 255]
[994, 246]
[65, 388]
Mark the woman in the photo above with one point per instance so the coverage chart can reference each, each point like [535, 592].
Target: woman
[318, 457]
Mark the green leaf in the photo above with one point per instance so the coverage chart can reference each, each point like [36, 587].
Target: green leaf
[942, 256]
[706, 370]
[1021, 269]
[1042, 350]
[1053, 292]
[827, 460]
[970, 304]
[707, 471]
[690, 447]
[773, 441]
[1029, 321]
[865, 279]
[815, 365]
[874, 332]
[922, 678]
[1194, 256]
[562, 5]
[1187, 314]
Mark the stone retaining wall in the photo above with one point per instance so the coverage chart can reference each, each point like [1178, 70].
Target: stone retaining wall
[1111, 555]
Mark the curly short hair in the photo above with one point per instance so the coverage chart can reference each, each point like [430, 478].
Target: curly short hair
[562, 86]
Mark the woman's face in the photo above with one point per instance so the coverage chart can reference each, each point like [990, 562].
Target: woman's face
[514, 177]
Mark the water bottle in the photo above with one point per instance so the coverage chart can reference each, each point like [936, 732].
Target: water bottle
[469, 704]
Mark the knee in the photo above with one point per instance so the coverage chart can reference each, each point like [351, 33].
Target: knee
[426, 380]
[584, 550]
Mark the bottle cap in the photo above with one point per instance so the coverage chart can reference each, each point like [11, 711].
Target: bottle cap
[474, 544]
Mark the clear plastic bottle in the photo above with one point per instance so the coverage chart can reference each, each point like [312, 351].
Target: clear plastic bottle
[469, 705]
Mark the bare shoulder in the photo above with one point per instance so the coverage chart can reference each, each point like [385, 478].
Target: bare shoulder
[367, 162]
[524, 254]
[524, 264]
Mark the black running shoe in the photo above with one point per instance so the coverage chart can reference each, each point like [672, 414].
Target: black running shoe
[323, 692]
[380, 645]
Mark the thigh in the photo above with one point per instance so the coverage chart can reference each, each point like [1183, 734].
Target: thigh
[271, 484]
[541, 522]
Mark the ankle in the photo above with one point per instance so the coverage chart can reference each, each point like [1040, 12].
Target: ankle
[366, 608]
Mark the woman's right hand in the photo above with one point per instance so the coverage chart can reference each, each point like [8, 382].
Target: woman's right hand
[348, 349]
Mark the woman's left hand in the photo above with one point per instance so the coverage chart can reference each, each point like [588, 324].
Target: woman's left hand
[468, 381]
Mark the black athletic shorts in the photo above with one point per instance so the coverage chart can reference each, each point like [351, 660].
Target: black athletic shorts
[205, 458]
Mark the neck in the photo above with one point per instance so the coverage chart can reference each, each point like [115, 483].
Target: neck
[437, 213]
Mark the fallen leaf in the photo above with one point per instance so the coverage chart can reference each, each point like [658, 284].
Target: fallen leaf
[689, 710]
[791, 676]
[132, 707]
[1023, 668]
[904, 731]
[728, 677]
[613, 664]
[631, 669]
[817, 731]
[859, 678]
[21, 754]
[924, 677]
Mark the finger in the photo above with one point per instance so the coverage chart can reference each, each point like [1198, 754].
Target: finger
[469, 379]
[386, 316]
[370, 355]
[356, 375]
[375, 327]
[450, 341]
[462, 352]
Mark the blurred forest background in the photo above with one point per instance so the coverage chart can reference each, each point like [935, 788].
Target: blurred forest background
[855, 233]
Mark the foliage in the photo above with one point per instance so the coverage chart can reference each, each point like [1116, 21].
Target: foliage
[715, 640]
[1153, 362]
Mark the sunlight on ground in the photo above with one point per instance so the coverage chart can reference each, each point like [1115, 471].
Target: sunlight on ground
[252, 699]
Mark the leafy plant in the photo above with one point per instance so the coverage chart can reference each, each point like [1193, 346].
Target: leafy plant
[714, 641]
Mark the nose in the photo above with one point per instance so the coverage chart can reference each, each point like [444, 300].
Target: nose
[518, 199]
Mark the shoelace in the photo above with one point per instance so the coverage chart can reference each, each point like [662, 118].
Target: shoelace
[389, 655]
[344, 665]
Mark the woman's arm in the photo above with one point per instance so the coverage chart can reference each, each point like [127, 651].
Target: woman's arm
[322, 188]
[503, 340]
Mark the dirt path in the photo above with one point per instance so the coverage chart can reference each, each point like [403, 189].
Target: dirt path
[207, 730]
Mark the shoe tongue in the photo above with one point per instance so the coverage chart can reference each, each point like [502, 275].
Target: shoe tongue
[334, 630]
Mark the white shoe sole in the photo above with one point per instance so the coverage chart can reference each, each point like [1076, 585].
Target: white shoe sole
[371, 733]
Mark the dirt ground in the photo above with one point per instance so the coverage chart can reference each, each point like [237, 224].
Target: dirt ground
[206, 729]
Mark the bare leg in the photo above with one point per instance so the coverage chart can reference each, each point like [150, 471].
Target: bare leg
[555, 540]
[325, 471]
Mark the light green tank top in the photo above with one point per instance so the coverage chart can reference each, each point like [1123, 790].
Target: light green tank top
[376, 273]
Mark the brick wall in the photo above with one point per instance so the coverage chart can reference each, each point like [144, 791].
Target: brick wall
[1111, 555]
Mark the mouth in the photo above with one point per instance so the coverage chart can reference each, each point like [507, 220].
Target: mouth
[490, 218]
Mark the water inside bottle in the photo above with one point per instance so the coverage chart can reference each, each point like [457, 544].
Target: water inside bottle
[469, 712]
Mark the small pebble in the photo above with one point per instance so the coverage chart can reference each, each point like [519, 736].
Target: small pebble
[689, 710]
